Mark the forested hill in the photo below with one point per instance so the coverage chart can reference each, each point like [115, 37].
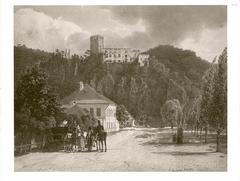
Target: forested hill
[180, 60]
[172, 73]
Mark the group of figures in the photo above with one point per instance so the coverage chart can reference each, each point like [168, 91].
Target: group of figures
[80, 140]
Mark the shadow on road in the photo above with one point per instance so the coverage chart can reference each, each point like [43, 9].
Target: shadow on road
[163, 137]
[179, 153]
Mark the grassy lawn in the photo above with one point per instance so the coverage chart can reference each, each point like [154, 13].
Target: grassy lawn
[163, 137]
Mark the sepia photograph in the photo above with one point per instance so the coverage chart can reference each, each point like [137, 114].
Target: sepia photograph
[122, 89]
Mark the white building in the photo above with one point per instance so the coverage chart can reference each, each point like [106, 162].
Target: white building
[98, 105]
[143, 59]
[112, 55]
[117, 55]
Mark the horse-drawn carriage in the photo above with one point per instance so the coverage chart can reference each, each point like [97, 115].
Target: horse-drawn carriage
[75, 140]
[55, 138]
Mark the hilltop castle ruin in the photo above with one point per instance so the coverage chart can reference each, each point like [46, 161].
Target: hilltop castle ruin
[115, 55]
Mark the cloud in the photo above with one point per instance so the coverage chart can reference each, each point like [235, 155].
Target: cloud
[171, 24]
[78, 43]
[198, 28]
[37, 30]
[205, 47]
[138, 27]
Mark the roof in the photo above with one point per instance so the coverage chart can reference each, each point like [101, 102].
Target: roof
[76, 110]
[86, 96]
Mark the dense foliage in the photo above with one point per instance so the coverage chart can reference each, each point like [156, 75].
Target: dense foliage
[171, 112]
[210, 108]
[172, 74]
[35, 103]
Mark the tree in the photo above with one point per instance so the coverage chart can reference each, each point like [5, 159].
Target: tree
[206, 96]
[171, 112]
[218, 104]
[121, 114]
[195, 113]
[133, 97]
[105, 85]
[121, 94]
[35, 102]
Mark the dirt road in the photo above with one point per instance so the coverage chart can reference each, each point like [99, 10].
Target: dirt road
[130, 150]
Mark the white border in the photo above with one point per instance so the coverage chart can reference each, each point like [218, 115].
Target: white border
[7, 160]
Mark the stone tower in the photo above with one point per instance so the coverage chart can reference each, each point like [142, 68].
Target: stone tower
[96, 44]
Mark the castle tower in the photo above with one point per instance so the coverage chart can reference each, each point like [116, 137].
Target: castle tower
[67, 53]
[96, 44]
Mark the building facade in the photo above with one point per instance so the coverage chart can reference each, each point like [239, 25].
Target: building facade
[143, 60]
[112, 55]
[117, 55]
[98, 105]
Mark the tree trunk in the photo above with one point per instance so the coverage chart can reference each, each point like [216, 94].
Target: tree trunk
[30, 147]
[179, 135]
[218, 142]
[197, 129]
[21, 143]
[200, 132]
[43, 140]
[206, 134]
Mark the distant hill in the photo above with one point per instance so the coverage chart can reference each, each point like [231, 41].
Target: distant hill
[179, 60]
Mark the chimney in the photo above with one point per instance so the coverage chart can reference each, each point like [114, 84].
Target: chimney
[81, 87]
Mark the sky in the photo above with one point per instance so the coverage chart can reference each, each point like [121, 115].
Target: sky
[202, 29]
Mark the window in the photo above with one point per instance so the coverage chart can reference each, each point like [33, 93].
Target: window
[126, 56]
[119, 55]
[91, 111]
[98, 111]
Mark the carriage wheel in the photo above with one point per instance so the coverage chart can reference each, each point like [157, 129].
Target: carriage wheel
[50, 138]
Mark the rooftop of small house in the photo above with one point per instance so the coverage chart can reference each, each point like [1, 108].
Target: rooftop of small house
[76, 110]
[86, 94]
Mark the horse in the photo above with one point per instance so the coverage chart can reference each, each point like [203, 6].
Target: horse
[102, 137]
[95, 137]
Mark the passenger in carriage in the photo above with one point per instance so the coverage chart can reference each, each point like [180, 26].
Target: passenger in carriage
[78, 138]
[82, 141]
[89, 138]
